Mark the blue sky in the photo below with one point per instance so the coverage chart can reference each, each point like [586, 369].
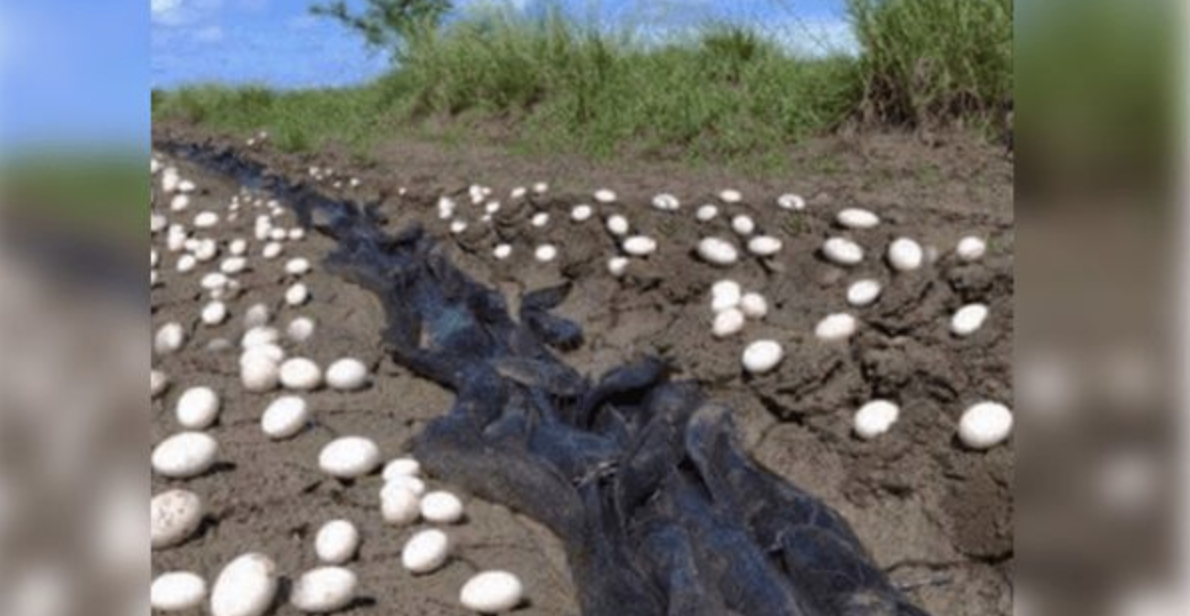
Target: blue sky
[80, 70]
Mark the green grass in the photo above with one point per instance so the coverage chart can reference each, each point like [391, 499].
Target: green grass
[548, 84]
[106, 189]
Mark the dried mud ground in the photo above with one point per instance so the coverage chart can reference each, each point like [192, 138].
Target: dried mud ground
[937, 516]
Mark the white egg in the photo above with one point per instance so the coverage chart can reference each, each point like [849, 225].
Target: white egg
[297, 294]
[581, 213]
[790, 201]
[666, 202]
[185, 455]
[197, 408]
[176, 591]
[838, 326]
[905, 254]
[157, 383]
[541, 188]
[157, 223]
[300, 329]
[259, 335]
[727, 323]
[349, 457]
[325, 589]
[245, 587]
[238, 246]
[605, 195]
[336, 542]
[502, 251]
[170, 338]
[271, 250]
[971, 248]
[731, 195]
[186, 264]
[875, 418]
[301, 374]
[863, 292]
[214, 313]
[540, 219]
[764, 245]
[206, 250]
[206, 220]
[257, 315]
[762, 356]
[754, 305]
[706, 213]
[491, 592]
[743, 225]
[985, 425]
[441, 507]
[412, 483]
[347, 374]
[285, 417]
[718, 251]
[640, 245]
[297, 266]
[233, 265]
[617, 266]
[725, 294]
[214, 281]
[546, 253]
[173, 517]
[179, 203]
[426, 551]
[842, 251]
[618, 225]
[259, 373]
[399, 505]
[968, 319]
[446, 208]
[857, 218]
[401, 467]
[186, 186]
[458, 226]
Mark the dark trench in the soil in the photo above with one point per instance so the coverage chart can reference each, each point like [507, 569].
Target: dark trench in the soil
[642, 477]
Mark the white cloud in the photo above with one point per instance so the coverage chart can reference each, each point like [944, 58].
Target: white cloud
[209, 34]
[165, 11]
[816, 37]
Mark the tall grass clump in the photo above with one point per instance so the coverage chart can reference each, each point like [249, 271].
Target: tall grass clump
[934, 62]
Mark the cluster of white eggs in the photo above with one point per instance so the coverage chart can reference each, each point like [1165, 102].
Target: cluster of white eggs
[248, 585]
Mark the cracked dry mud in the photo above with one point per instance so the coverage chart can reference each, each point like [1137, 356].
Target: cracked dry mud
[937, 516]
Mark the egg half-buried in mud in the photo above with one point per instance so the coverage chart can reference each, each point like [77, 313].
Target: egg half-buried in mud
[336, 542]
[491, 592]
[245, 587]
[426, 551]
[323, 590]
[762, 356]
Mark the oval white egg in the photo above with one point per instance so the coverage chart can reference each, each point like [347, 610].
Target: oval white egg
[158, 383]
[754, 305]
[502, 251]
[197, 408]
[170, 338]
[617, 266]
[764, 246]
[731, 195]
[790, 201]
[666, 202]
[605, 195]
[259, 373]
[581, 213]
[842, 251]
[336, 542]
[426, 551]
[245, 587]
[985, 425]
[857, 218]
[545, 253]
[300, 329]
[173, 516]
[762, 356]
[971, 248]
[618, 225]
[325, 589]
[968, 319]
[297, 266]
[257, 315]
[441, 507]
[838, 326]
[401, 467]
[301, 374]
[490, 592]
[285, 417]
[399, 505]
[863, 292]
[718, 251]
[297, 294]
[409, 482]
[876, 418]
[905, 255]
[706, 213]
[176, 591]
[728, 323]
[349, 457]
[743, 225]
[185, 455]
[347, 374]
[640, 245]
